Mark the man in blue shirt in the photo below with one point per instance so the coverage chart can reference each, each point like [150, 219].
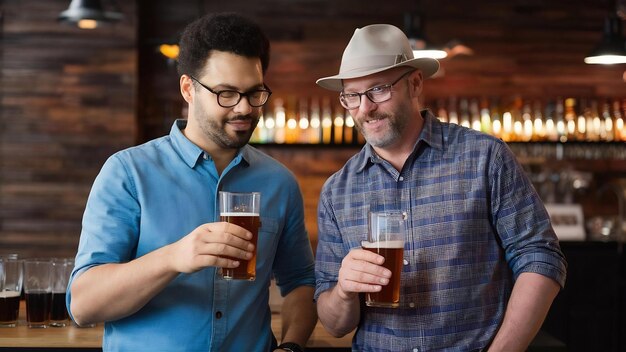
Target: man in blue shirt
[482, 264]
[152, 244]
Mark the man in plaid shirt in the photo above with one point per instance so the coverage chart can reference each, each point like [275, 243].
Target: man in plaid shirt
[482, 264]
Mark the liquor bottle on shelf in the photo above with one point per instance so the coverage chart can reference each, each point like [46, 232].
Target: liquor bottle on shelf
[595, 126]
[303, 121]
[496, 119]
[516, 116]
[507, 126]
[464, 113]
[475, 115]
[561, 130]
[584, 120]
[570, 119]
[338, 122]
[442, 113]
[280, 119]
[608, 121]
[327, 121]
[527, 123]
[539, 130]
[291, 132]
[315, 123]
[485, 116]
[618, 119]
[453, 117]
[268, 128]
[348, 129]
[550, 123]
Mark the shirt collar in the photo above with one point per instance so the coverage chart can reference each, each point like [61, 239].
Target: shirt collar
[191, 153]
[432, 134]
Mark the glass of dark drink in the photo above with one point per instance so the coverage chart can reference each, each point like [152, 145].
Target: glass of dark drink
[386, 234]
[242, 209]
[11, 276]
[38, 274]
[62, 268]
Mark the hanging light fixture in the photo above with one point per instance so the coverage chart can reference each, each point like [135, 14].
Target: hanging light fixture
[612, 48]
[88, 14]
[414, 30]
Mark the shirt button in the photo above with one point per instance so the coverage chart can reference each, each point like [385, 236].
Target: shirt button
[218, 314]
[401, 178]
[416, 350]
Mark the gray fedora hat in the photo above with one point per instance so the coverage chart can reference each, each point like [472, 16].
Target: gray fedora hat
[376, 48]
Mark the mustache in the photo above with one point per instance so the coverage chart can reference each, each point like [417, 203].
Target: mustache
[243, 118]
[375, 116]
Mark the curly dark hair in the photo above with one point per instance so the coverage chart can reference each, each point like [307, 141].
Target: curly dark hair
[229, 32]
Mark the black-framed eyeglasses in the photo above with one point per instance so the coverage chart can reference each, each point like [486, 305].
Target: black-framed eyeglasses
[376, 94]
[228, 98]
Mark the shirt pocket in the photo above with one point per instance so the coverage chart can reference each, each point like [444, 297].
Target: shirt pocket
[267, 243]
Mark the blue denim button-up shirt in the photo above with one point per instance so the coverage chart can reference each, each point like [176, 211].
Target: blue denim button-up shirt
[152, 195]
[475, 223]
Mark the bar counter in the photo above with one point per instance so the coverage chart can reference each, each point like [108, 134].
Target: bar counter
[72, 337]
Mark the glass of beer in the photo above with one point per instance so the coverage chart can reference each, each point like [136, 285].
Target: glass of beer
[62, 268]
[38, 275]
[386, 234]
[11, 276]
[242, 209]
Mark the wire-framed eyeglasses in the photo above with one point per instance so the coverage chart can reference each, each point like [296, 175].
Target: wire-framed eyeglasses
[376, 94]
[228, 98]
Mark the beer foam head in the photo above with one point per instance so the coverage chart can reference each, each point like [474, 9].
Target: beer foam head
[238, 214]
[9, 294]
[383, 244]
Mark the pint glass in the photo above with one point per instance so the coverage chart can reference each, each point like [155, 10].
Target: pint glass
[38, 291]
[62, 268]
[242, 209]
[10, 289]
[386, 235]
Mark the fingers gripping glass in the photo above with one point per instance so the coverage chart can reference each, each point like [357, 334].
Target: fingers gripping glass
[228, 98]
[376, 94]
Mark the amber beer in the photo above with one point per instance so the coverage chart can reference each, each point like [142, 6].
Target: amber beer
[393, 252]
[247, 268]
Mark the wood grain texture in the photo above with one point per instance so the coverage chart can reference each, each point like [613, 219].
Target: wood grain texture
[70, 98]
[68, 102]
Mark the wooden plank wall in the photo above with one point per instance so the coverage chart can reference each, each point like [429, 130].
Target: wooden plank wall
[70, 98]
[528, 48]
[68, 102]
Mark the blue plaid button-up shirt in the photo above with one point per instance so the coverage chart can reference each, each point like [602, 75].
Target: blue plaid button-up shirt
[475, 223]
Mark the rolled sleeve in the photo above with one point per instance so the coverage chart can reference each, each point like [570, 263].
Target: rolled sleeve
[102, 240]
[294, 265]
[523, 223]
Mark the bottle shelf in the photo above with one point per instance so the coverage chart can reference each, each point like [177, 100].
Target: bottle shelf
[323, 121]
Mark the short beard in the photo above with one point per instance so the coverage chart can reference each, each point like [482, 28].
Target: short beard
[218, 135]
[396, 125]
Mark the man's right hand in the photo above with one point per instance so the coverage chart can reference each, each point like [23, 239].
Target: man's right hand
[211, 244]
[361, 271]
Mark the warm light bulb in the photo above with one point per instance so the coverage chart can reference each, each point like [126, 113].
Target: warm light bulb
[87, 24]
[169, 51]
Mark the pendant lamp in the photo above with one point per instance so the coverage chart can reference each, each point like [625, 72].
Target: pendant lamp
[88, 14]
[612, 48]
[414, 30]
